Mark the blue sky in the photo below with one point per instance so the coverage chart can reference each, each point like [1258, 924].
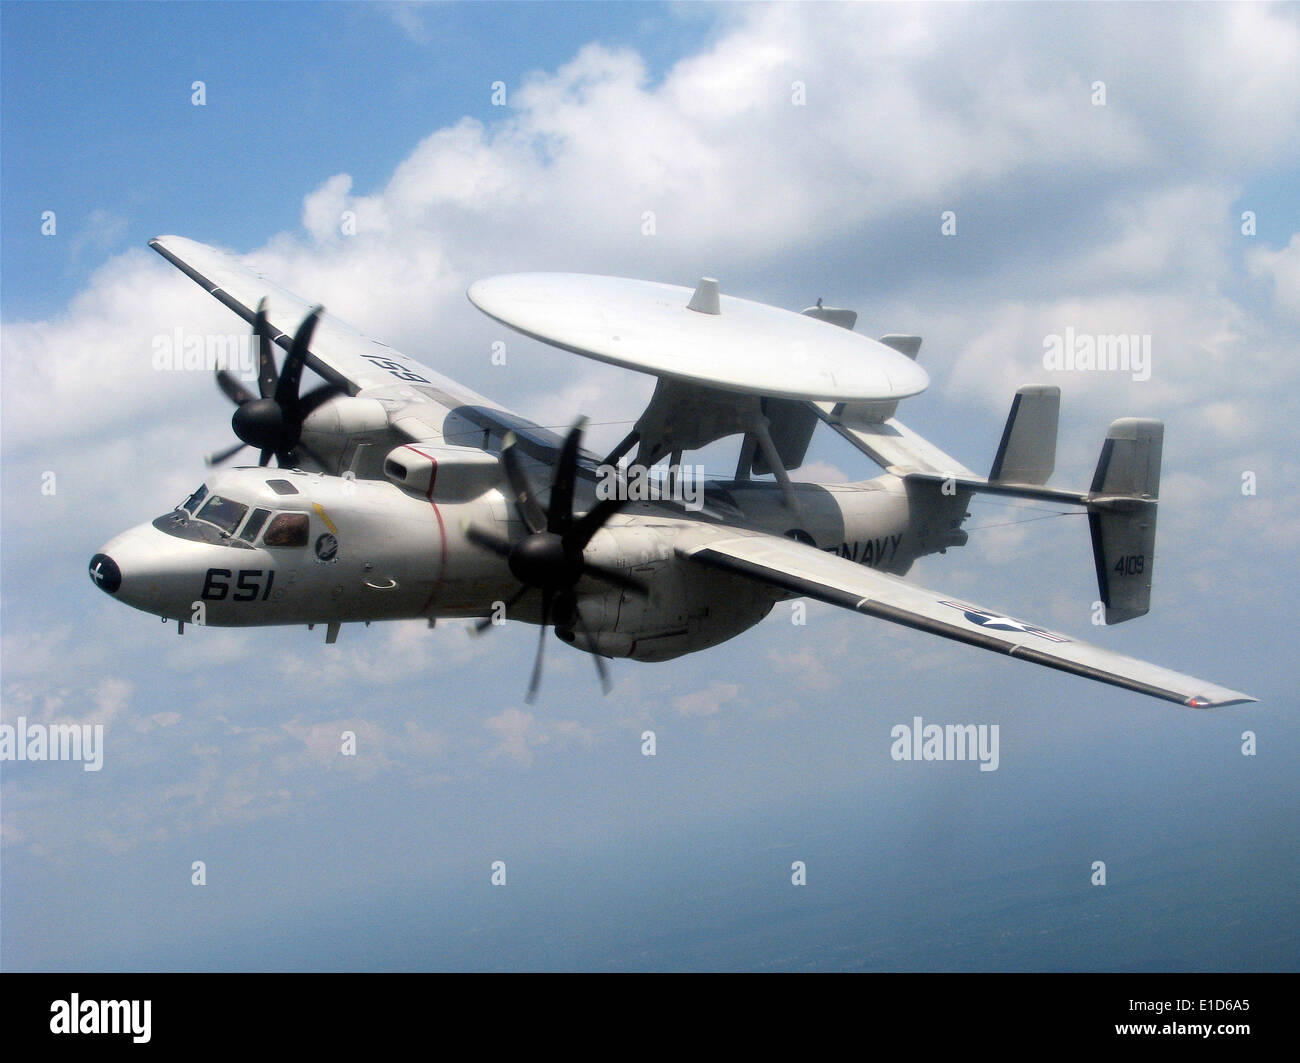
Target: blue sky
[222, 745]
[91, 123]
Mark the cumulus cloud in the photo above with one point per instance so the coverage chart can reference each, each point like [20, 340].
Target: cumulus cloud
[101, 230]
[708, 701]
[948, 108]
[519, 734]
[1281, 270]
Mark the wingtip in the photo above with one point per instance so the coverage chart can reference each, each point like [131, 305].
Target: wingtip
[1201, 701]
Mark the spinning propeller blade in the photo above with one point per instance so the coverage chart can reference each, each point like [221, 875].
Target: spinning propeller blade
[272, 421]
[550, 557]
[224, 455]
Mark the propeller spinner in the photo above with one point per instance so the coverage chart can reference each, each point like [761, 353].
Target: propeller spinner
[272, 421]
[550, 557]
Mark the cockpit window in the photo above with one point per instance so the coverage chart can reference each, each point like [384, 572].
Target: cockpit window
[192, 503]
[282, 487]
[223, 512]
[254, 524]
[288, 529]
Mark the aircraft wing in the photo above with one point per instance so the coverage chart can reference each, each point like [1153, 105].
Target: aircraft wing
[339, 352]
[808, 572]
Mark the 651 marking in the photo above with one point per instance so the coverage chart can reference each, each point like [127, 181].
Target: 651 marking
[247, 586]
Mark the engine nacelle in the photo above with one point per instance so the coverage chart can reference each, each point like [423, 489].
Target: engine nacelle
[347, 416]
[444, 474]
[689, 606]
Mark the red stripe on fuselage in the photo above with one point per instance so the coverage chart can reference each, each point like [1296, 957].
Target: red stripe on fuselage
[442, 529]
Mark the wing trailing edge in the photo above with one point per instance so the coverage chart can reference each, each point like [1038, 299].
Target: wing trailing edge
[805, 571]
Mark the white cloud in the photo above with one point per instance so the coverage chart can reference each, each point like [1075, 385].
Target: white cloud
[1281, 269]
[945, 108]
[408, 16]
[821, 472]
[811, 665]
[519, 734]
[708, 701]
[97, 234]
[383, 655]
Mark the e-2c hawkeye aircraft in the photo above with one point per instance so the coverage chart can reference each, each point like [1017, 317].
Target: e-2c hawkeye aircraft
[401, 494]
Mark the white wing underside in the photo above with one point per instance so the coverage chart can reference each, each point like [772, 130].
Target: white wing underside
[808, 572]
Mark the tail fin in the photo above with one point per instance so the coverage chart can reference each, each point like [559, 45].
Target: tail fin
[1121, 504]
[1122, 516]
[1027, 453]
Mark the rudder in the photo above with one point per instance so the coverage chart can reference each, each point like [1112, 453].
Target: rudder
[1122, 516]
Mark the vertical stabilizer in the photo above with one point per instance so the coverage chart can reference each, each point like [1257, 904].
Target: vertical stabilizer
[1027, 453]
[1122, 516]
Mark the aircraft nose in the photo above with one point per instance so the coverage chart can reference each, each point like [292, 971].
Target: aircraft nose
[105, 574]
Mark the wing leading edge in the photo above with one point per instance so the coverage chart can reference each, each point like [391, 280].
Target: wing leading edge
[419, 398]
[339, 352]
[808, 572]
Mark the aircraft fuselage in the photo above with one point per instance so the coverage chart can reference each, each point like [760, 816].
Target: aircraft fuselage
[294, 547]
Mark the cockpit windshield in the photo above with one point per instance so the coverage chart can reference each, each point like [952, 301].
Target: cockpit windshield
[220, 521]
[223, 512]
[192, 503]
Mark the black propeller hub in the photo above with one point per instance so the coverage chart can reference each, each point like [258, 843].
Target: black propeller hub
[260, 423]
[541, 560]
[272, 420]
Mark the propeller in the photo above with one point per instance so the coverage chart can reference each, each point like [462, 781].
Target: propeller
[550, 557]
[272, 420]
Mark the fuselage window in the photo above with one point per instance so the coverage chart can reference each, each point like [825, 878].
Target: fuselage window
[254, 525]
[223, 512]
[288, 529]
[192, 503]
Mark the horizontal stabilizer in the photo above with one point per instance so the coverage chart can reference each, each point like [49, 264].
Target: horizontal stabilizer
[1121, 503]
